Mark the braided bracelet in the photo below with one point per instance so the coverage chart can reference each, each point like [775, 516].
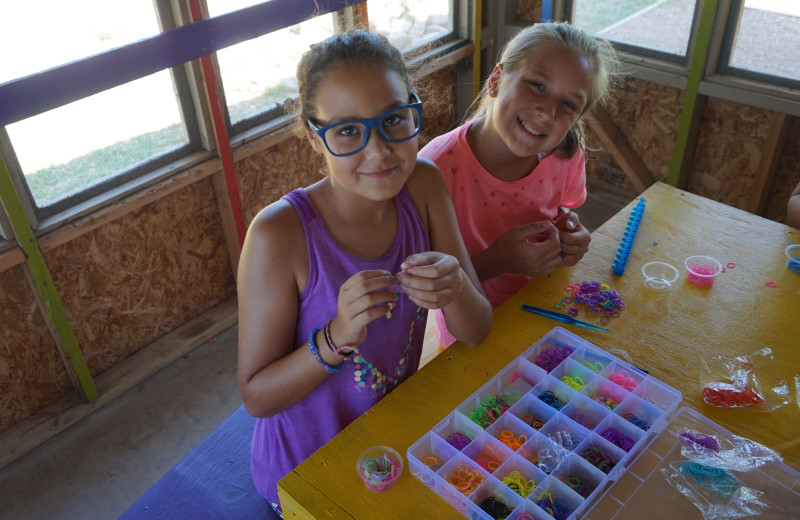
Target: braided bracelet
[336, 349]
[314, 350]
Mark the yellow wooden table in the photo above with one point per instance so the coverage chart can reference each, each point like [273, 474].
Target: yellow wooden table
[666, 333]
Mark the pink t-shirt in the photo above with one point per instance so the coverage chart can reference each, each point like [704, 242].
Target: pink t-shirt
[488, 207]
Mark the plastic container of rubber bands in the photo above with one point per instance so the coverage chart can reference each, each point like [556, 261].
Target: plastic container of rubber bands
[545, 435]
[568, 431]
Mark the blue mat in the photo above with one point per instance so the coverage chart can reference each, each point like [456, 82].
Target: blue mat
[212, 482]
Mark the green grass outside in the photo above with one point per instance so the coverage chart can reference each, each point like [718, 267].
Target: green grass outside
[51, 184]
[595, 15]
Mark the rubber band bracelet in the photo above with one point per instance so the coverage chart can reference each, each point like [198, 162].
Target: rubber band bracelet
[315, 351]
[336, 349]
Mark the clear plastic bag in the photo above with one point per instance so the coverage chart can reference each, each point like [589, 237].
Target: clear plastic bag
[745, 381]
[730, 453]
[716, 492]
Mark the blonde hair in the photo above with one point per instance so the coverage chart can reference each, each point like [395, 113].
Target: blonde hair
[601, 55]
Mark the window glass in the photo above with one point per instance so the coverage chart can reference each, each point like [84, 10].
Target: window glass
[80, 144]
[260, 72]
[663, 26]
[40, 34]
[410, 23]
[762, 38]
[88, 141]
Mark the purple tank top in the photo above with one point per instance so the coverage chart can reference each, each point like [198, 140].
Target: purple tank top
[390, 354]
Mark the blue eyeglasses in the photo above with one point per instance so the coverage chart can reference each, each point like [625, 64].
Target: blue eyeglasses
[349, 137]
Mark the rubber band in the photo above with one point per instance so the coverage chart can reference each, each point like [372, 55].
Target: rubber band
[772, 283]
[378, 472]
[599, 457]
[573, 382]
[579, 487]
[728, 396]
[549, 358]
[731, 265]
[706, 441]
[623, 379]
[487, 462]
[495, 508]
[607, 402]
[508, 438]
[492, 407]
[465, 479]
[637, 421]
[618, 438]
[597, 366]
[558, 509]
[588, 421]
[552, 399]
[428, 462]
[721, 481]
[458, 440]
[517, 482]
[532, 421]
[560, 305]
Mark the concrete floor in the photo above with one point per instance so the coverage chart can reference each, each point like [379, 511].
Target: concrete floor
[97, 468]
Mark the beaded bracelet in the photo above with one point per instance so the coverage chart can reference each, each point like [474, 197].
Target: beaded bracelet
[314, 350]
[336, 349]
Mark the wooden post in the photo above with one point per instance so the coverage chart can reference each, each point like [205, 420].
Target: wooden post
[46, 295]
[227, 192]
[693, 103]
[770, 159]
[617, 145]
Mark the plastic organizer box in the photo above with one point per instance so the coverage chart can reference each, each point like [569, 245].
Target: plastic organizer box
[556, 445]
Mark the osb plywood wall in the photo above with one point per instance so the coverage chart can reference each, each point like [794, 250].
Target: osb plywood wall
[729, 151]
[31, 371]
[127, 283]
[787, 175]
[634, 103]
[144, 274]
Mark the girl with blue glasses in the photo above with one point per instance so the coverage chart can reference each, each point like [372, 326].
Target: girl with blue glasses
[336, 279]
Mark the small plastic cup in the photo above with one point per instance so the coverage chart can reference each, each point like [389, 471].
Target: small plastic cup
[379, 467]
[701, 270]
[793, 257]
[659, 276]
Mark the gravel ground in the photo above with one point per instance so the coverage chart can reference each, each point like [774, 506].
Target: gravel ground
[765, 35]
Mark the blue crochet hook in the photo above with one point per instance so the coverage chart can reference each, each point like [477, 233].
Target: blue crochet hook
[563, 318]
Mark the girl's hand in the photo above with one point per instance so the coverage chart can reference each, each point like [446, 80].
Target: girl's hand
[529, 250]
[574, 238]
[432, 279]
[363, 298]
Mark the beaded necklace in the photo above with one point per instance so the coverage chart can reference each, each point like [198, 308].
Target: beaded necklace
[364, 371]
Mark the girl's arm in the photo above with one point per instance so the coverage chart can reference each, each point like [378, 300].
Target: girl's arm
[445, 277]
[793, 209]
[272, 376]
[273, 270]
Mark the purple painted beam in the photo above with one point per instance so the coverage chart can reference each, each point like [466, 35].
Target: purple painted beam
[43, 91]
